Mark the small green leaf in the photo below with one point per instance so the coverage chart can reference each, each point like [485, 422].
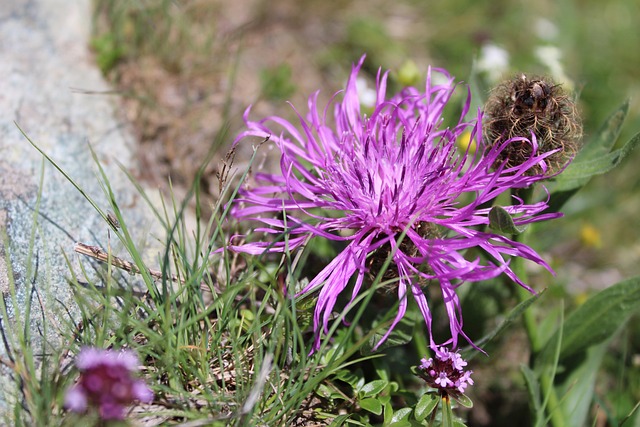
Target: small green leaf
[400, 335]
[323, 391]
[425, 406]
[596, 320]
[339, 420]
[500, 220]
[372, 388]
[401, 416]
[353, 378]
[388, 413]
[372, 405]
[464, 400]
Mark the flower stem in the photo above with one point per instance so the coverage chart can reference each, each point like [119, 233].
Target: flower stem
[557, 418]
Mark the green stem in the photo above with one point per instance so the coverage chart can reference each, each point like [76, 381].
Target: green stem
[530, 325]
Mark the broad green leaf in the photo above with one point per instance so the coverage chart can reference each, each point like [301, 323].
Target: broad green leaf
[425, 406]
[372, 388]
[596, 320]
[595, 158]
[500, 220]
[606, 136]
[372, 405]
[579, 173]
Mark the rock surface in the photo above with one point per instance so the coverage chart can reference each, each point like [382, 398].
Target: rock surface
[51, 88]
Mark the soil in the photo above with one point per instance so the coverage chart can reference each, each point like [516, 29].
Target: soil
[178, 108]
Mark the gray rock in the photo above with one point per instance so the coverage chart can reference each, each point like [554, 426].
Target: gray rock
[51, 87]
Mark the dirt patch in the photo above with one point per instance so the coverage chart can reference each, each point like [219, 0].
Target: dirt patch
[179, 104]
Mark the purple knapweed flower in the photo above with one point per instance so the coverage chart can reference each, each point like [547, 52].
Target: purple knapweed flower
[366, 179]
[446, 372]
[107, 383]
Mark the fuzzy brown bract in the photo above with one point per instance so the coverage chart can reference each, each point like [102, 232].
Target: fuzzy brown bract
[524, 105]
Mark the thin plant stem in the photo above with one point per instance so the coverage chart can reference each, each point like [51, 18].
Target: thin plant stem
[530, 324]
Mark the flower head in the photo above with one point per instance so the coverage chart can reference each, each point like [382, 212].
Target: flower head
[446, 372]
[524, 105]
[106, 382]
[366, 180]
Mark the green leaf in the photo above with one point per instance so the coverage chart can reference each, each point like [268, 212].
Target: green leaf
[400, 417]
[533, 387]
[372, 405]
[606, 136]
[579, 173]
[425, 406]
[339, 420]
[595, 321]
[578, 387]
[400, 335]
[500, 220]
[464, 400]
[388, 413]
[595, 158]
[354, 378]
[372, 388]
[323, 391]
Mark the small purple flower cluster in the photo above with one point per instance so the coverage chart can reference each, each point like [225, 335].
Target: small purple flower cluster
[106, 382]
[446, 372]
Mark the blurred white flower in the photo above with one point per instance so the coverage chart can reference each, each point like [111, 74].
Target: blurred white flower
[551, 57]
[366, 95]
[494, 61]
[545, 29]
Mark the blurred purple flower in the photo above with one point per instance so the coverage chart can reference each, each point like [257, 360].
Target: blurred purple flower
[106, 382]
[366, 179]
[446, 372]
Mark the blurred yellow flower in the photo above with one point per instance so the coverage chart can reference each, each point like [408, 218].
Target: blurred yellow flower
[465, 141]
[590, 236]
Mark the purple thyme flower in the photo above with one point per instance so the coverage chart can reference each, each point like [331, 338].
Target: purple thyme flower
[106, 382]
[366, 179]
[446, 372]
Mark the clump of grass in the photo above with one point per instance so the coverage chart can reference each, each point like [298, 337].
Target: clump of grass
[220, 341]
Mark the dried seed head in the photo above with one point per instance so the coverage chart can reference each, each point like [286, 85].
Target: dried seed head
[525, 105]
